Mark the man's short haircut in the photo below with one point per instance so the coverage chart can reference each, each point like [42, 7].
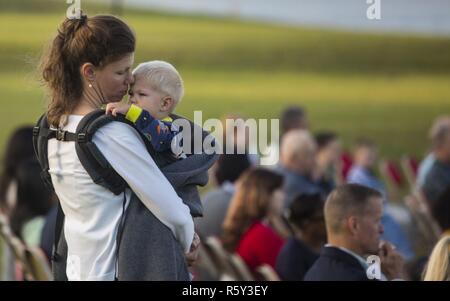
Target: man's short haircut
[345, 201]
[162, 77]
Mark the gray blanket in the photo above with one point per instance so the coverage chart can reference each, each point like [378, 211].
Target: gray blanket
[148, 249]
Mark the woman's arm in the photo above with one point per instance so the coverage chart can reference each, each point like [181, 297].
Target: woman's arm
[125, 151]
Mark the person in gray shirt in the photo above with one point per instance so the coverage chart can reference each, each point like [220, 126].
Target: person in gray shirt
[297, 163]
[215, 202]
[438, 177]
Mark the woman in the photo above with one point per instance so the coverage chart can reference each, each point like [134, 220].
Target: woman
[438, 267]
[88, 65]
[19, 148]
[34, 200]
[309, 235]
[256, 207]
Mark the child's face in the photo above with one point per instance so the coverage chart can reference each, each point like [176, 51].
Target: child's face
[142, 95]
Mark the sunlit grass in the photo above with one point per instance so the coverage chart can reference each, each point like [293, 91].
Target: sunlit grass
[386, 87]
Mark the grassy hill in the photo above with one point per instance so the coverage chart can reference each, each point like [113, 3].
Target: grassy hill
[386, 87]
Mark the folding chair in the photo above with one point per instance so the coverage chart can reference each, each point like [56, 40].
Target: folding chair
[18, 250]
[410, 167]
[267, 273]
[221, 257]
[240, 267]
[37, 264]
[206, 267]
[32, 262]
[346, 162]
[393, 178]
[427, 227]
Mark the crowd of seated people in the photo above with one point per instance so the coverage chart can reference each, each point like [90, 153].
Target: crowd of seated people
[325, 185]
[301, 217]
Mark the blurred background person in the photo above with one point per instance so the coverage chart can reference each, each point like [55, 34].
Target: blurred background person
[438, 267]
[34, 201]
[363, 173]
[292, 118]
[297, 164]
[429, 159]
[302, 249]
[437, 177]
[440, 211]
[18, 149]
[365, 156]
[252, 224]
[243, 142]
[216, 201]
[328, 161]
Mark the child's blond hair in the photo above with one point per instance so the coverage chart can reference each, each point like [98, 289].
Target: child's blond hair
[163, 77]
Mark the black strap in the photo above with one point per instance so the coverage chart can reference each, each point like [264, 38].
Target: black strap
[119, 236]
[92, 159]
[58, 229]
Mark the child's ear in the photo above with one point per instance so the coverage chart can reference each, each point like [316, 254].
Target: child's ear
[166, 104]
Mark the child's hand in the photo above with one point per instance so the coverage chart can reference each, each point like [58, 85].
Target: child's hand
[115, 108]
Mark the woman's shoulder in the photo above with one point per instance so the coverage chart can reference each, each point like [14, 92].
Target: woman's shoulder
[260, 229]
[116, 130]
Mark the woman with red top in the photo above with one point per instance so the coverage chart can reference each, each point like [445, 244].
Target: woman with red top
[253, 216]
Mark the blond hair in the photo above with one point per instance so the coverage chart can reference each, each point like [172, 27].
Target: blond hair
[163, 77]
[295, 143]
[439, 130]
[438, 267]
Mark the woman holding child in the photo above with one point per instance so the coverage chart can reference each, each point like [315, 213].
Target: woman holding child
[87, 66]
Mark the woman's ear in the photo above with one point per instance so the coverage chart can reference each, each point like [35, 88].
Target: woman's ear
[87, 71]
[166, 104]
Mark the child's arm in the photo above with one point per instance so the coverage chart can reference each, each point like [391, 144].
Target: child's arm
[159, 134]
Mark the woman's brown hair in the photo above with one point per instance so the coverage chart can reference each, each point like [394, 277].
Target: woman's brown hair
[98, 40]
[249, 204]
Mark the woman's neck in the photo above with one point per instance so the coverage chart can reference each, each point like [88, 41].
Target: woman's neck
[87, 103]
[83, 108]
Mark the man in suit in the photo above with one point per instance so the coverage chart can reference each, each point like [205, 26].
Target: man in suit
[353, 221]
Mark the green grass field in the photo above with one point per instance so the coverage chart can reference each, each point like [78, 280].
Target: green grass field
[385, 87]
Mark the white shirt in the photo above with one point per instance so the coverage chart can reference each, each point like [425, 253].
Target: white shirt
[93, 213]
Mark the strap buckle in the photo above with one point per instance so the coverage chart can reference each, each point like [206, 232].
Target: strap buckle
[61, 135]
[36, 131]
[81, 137]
